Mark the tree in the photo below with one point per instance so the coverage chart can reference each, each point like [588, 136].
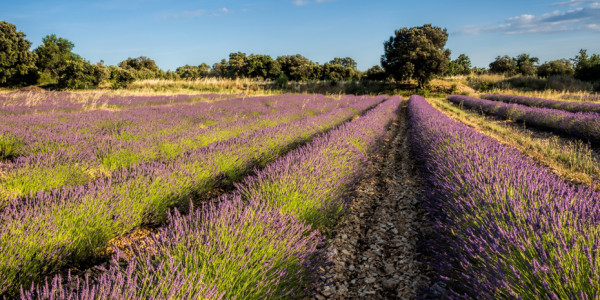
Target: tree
[120, 77]
[503, 65]
[416, 53]
[219, 69]
[556, 67]
[526, 64]
[236, 65]
[262, 66]
[142, 67]
[347, 62]
[460, 66]
[77, 74]
[340, 69]
[375, 73]
[17, 63]
[54, 54]
[299, 68]
[587, 67]
[193, 72]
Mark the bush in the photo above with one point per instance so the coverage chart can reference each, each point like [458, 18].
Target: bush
[562, 67]
[567, 83]
[282, 80]
[77, 74]
[120, 77]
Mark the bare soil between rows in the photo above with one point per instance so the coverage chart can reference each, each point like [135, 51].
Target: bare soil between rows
[374, 251]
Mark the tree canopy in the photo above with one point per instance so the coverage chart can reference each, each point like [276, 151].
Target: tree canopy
[587, 67]
[54, 54]
[556, 67]
[503, 65]
[416, 53]
[17, 63]
[460, 66]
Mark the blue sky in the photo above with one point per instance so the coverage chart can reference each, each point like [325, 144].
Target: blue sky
[175, 32]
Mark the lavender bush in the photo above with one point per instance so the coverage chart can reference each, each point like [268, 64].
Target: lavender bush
[42, 233]
[506, 227]
[546, 103]
[250, 244]
[585, 126]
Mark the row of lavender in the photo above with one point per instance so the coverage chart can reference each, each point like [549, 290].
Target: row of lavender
[258, 242]
[506, 227]
[43, 102]
[591, 97]
[546, 103]
[42, 233]
[72, 148]
[581, 125]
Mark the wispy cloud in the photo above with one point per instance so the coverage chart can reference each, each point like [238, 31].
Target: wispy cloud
[191, 14]
[573, 3]
[581, 15]
[306, 2]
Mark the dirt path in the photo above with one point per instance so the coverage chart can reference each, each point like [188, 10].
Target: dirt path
[374, 249]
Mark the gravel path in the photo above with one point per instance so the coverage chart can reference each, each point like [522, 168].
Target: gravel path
[374, 249]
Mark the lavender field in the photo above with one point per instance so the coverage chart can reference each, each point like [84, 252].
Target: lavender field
[237, 197]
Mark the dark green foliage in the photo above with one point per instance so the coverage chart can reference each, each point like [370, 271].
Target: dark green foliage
[562, 67]
[503, 65]
[282, 80]
[261, 66]
[17, 63]
[53, 56]
[299, 68]
[339, 69]
[219, 69]
[193, 72]
[142, 68]
[101, 73]
[526, 64]
[375, 73]
[347, 62]
[236, 65]
[78, 74]
[120, 77]
[587, 67]
[460, 66]
[416, 53]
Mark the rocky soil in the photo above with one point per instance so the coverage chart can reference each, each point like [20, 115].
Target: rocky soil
[373, 251]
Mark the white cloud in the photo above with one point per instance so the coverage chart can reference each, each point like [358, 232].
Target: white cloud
[574, 3]
[572, 19]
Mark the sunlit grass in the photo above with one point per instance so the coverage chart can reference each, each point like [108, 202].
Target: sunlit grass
[573, 160]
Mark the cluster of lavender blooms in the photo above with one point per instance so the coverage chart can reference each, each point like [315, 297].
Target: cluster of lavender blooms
[44, 102]
[42, 232]
[505, 226]
[592, 97]
[58, 149]
[546, 103]
[582, 125]
[261, 241]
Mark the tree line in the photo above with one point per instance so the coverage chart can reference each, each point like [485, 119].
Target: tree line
[53, 63]
[583, 67]
[416, 53]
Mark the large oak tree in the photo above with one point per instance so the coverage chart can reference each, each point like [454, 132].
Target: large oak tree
[416, 53]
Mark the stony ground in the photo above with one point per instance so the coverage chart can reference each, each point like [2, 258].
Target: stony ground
[373, 251]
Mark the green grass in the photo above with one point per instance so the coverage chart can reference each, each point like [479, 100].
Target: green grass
[9, 146]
